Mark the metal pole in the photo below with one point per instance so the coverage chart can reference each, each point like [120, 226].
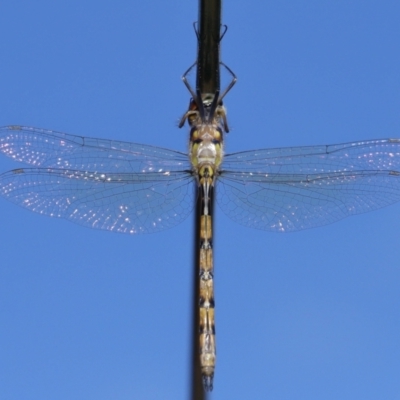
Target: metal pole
[207, 83]
[209, 31]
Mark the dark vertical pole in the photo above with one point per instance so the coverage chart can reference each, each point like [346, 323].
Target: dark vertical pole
[207, 83]
[207, 79]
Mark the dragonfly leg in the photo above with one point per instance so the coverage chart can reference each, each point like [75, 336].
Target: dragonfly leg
[231, 84]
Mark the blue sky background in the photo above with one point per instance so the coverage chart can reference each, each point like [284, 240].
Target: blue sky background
[88, 314]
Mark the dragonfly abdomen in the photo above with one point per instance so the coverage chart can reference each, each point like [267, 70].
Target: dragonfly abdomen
[206, 289]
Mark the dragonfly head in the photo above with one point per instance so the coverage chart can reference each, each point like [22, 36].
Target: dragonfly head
[206, 109]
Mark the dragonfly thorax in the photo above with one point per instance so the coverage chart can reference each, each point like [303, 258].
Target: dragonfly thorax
[206, 145]
[207, 125]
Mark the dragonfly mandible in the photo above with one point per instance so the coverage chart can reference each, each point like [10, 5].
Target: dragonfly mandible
[136, 188]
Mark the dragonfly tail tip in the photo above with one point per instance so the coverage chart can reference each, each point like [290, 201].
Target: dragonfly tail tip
[208, 383]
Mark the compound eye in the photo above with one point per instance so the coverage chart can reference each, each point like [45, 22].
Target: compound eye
[192, 117]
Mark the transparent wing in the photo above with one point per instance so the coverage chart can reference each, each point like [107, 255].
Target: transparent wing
[122, 202]
[44, 148]
[106, 184]
[297, 188]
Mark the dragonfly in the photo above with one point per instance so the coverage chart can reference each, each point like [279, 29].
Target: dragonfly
[136, 188]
